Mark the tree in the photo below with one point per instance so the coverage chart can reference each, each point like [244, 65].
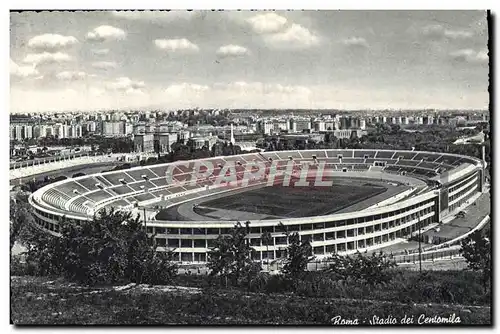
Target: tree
[110, 248]
[20, 218]
[230, 257]
[267, 240]
[476, 249]
[297, 255]
[371, 269]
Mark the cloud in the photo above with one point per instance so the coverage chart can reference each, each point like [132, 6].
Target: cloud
[186, 88]
[184, 95]
[78, 98]
[435, 31]
[278, 32]
[180, 44]
[46, 58]
[458, 34]
[470, 56]
[294, 36]
[355, 42]
[241, 87]
[287, 89]
[232, 51]
[105, 33]
[104, 65]
[267, 23]
[51, 42]
[232, 94]
[242, 94]
[480, 27]
[149, 15]
[71, 75]
[126, 85]
[259, 88]
[22, 71]
[438, 32]
[100, 52]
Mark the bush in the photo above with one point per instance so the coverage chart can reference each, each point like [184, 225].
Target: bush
[20, 268]
[372, 270]
[230, 257]
[460, 287]
[452, 287]
[111, 248]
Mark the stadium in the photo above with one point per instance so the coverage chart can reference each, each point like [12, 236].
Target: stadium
[343, 201]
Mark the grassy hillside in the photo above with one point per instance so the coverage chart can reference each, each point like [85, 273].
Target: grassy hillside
[36, 300]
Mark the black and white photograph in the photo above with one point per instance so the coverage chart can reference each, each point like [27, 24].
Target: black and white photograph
[250, 167]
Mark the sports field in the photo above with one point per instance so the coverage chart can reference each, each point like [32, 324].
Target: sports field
[296, 202]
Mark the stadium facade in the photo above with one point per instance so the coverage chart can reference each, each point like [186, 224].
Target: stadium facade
[447, 183]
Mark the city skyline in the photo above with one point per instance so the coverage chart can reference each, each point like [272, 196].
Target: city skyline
[285, 59]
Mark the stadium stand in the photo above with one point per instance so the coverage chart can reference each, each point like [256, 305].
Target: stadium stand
[80, 198]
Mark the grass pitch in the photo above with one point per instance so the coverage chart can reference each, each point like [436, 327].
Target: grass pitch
[294, 202]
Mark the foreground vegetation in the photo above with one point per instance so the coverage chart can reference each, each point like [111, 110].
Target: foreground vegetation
[114, 249]
[38, 301]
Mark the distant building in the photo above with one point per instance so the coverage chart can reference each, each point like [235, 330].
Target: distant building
[319, 125]
[129, 128]
[144, 143]
[428, 120]
[329, 125]
[457, 121]
[28, 131]
[344, 123]
[166, 127]
[293, 139]
[49, 131]
[75, 131]
[91, 126]
[265, 127]
[165, 141]
[183, 136]
[198, 142]
[354, 123]
[113, 128]
[441, 120]
[39, 131]
[19, 132]
[61, 130]
[139, 129]
[116, 117]
[280, 125]
[362, 124]
[299, 125]
[348, 133]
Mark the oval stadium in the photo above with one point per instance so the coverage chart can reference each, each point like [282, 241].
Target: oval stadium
[343, 201]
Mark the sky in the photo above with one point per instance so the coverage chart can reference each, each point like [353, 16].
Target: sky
[66, 61]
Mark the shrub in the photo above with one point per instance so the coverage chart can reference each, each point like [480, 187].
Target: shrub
[111, 248]
[373, 270]
[230, 257]
[476, 249]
